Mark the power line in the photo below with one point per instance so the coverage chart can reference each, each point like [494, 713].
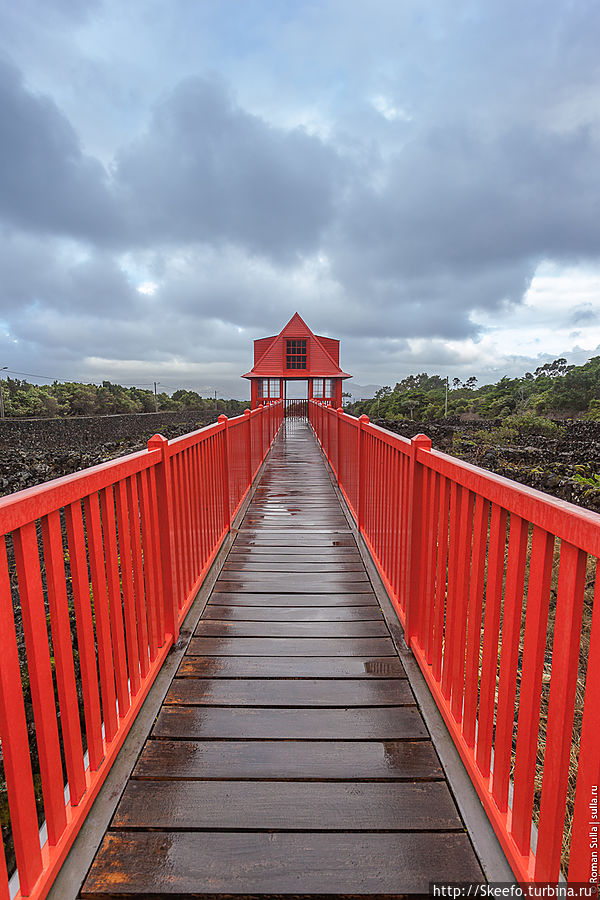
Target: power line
[79, 381]
[31, 375]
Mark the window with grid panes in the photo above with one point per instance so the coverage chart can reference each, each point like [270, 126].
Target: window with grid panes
[322, 388]
[296, 354]
[269, 387]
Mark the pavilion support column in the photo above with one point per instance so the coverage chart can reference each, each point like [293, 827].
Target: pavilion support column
[338, 392]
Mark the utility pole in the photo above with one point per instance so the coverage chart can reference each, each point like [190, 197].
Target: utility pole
[216, 404]
[2, 414]
[156, 396]
[446, 404]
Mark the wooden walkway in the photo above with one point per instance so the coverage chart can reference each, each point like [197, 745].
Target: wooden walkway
[289, 757]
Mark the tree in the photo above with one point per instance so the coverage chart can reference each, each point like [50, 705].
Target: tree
[383, 392]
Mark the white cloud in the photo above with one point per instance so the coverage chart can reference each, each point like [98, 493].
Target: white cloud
[147, 287]
[391, 112]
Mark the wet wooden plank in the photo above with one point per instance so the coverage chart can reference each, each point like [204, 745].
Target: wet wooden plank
[323, 510]
[284, 586]
[309, 692]
[291, 864]
[280, 530]
[266, 598]
[292, 667]
[290, 507]
[296, 582]
[317, 512]
[289, 760]
[357, 724]
[254, 538]
[287, 806]
[368, 629]
[308, 566]
[281, 555]
[292, 613]
[294, 523]
[247, 646]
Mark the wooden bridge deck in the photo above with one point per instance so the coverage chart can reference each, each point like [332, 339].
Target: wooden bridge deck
[290, 757]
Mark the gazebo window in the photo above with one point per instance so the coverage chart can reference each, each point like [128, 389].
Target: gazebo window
[323, 388]
[269, 388]
[296, 354]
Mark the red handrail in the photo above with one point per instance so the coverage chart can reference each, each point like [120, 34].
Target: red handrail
[470, 561]
[122, 549]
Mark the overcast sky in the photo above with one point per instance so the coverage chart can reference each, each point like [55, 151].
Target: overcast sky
[420, 178]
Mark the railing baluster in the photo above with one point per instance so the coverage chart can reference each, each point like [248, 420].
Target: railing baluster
[452, 600]
[509, 658]
[433, 492]
[201, 503]
[415, 536]
[187, 521]
[565, 658]
[587, 802]
[63, 655]
[462, 594]
[482, 509]
[40, 677]
[15, 743]
[489, 666]
[225, 468]
[193, 501]
[102, 615]
[107, 506]
[138, 574]
[534, 648]
[161, 529]
[178, 550]
[123, 517]
[441, 579]
[150, 565]
[85, 634]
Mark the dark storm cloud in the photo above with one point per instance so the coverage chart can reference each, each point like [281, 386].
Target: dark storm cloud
[458, 149]
[39, 274]
[208, 171]
[47, 184]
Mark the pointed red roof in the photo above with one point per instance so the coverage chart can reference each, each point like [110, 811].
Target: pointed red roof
[322, 354]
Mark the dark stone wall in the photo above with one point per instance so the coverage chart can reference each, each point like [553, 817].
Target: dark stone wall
[566, 465]
[36, 450]
[90, 431]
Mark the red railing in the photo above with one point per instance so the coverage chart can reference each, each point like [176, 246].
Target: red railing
[97, 571]
[496, 585]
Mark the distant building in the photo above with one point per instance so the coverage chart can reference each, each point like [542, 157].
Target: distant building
[296, 354]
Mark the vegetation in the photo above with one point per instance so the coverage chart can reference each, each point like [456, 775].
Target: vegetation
[554, 391]
[22, 399]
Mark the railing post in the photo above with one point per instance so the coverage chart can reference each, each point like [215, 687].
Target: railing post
[414, 537]
[339, 413]
[166, 536]
[248, 444]
[360, 475]
[224, 421]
